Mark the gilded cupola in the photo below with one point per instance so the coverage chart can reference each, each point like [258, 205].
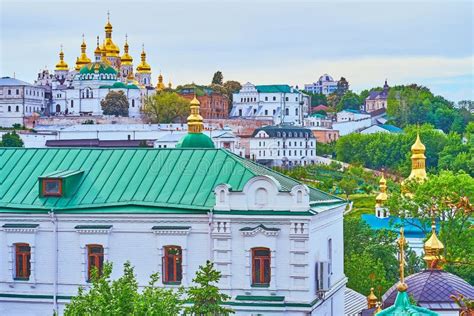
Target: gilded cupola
[143, 67]
[62, 65]
[418, 160]
[97, 51]
[382, 196]
[371, 299]
[126, 59]
[83, 59]
[160, 85]
[110, 47]
[433, 248]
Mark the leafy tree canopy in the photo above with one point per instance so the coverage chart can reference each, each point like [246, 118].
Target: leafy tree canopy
[11, 140]
[115, 103]
[218, 78]
[166, 107]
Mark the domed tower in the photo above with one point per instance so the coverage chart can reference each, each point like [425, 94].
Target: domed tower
[126, 62]
[371, 299]
[97, 52]
[144, 70]
[111, 49]
[83, 59]
[418, 160]
[62, 69]
[381, 199]
[160, 86]
[433, 250]
[195, 138]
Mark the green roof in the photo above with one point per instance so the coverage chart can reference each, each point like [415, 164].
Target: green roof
[195, 140]
[131, 180]
[119, 85]
[402, 307]
[103, 69]
[274, 88]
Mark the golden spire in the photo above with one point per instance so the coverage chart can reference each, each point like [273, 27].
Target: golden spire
[160, 85]
[126, 59]
[143, 67]
[402, 286]
[83, 59]
[195, 121]
[97, 52]
[170, 85]
[418, 160]
[433, 249]
[382, 196]
[371, 299]
[61, 65]
[109, 46]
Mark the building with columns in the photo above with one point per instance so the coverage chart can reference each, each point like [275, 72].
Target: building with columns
[277, 242]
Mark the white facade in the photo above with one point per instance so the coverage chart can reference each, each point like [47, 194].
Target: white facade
[281, 103]
[325, 85]
[318, 120]
[226, 235]
[19, 99]
[285, 146]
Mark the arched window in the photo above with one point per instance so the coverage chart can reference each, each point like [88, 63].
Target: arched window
[172, 264]
[92, 94]
[133, 103]
[87, 93]
[299, 196]
[261, 270]
[95, 260]
[58, 108]
[9, 108]
[261, 196]
[22, 261]
[72, 103]
[287, 111]
[17, 108]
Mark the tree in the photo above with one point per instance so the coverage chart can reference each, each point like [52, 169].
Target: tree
[447, 197]
[348, 185]
[11, 140]
[232, 87]
[342, 86]
[218, 78]
[166, 107]
[205, 296]
[318, 99]
[115, 103]
[334, 99]
[364, 272]
[350, 100]
[121, 296]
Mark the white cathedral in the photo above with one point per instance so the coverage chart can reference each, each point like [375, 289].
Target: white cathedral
[80, 90]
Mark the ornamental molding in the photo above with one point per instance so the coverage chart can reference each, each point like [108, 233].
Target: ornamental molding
[262, 229]
[21, 230]
[93, 231]
[171, 230]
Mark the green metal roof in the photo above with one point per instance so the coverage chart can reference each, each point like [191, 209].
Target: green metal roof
[195, 140]
[130, 180]
[403, 307]
[103, 68]
[119, 85]
[274, 88]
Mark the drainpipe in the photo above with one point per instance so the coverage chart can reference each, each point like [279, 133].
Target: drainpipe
[55, 256]
[210, 234]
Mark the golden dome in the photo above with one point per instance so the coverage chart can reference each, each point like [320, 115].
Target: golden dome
[83, 59]
[433, 249]
[195, 120]
[98, 51]
[61, 65]
[110, 47]
[143, 67]
[160, 85]
[418, 146]
[418, 160]
[371, 299]
[382, 196]
[126, 59]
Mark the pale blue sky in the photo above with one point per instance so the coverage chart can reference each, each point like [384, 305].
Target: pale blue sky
[427, 42]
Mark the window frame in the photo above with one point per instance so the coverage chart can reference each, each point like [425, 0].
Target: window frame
[43, 187]
[177, 259]
[96, 256]
[26, 266]
[259, 280]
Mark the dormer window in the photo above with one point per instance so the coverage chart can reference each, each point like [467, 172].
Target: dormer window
[52, 187]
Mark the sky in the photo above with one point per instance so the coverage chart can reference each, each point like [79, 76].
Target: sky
[261, 41]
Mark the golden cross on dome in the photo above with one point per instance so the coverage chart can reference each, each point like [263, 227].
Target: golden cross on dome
[108, 16]
[401, 245]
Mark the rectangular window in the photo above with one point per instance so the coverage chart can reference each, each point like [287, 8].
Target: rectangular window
[22, 261]
[172, 265]
[95, 260]
[261, 270]
[52, 187]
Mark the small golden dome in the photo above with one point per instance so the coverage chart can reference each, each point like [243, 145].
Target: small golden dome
[371, 299]
[126, 59]
[62, 65]
[195, 120]
[418, 160]
[109, 46]
[160, 85]
[143, 67]
[97, 51]
[418, 146]
[83, 59]
[382, 196]
[433, 248]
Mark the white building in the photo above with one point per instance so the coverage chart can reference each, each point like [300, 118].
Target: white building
[64, 211]
[19, 99]
[318, 120]
[281, 103]
[325, 85]
[283, 146]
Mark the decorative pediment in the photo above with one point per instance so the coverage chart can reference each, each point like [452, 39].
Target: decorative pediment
[252, 231]
[171, 230]
[20, 228]
[93, 229]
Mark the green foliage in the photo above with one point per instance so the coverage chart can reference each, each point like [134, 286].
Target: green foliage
[11, 140]
[318, 99]
[328, 149]
[88, 122]
[218, 78]
[364, 272]
[166, 107]
[342, 86]
[205, 296]
[446, 196]
[18, 126]
[349, 100]
[348, 185]
[415, 104]
[115, 103]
